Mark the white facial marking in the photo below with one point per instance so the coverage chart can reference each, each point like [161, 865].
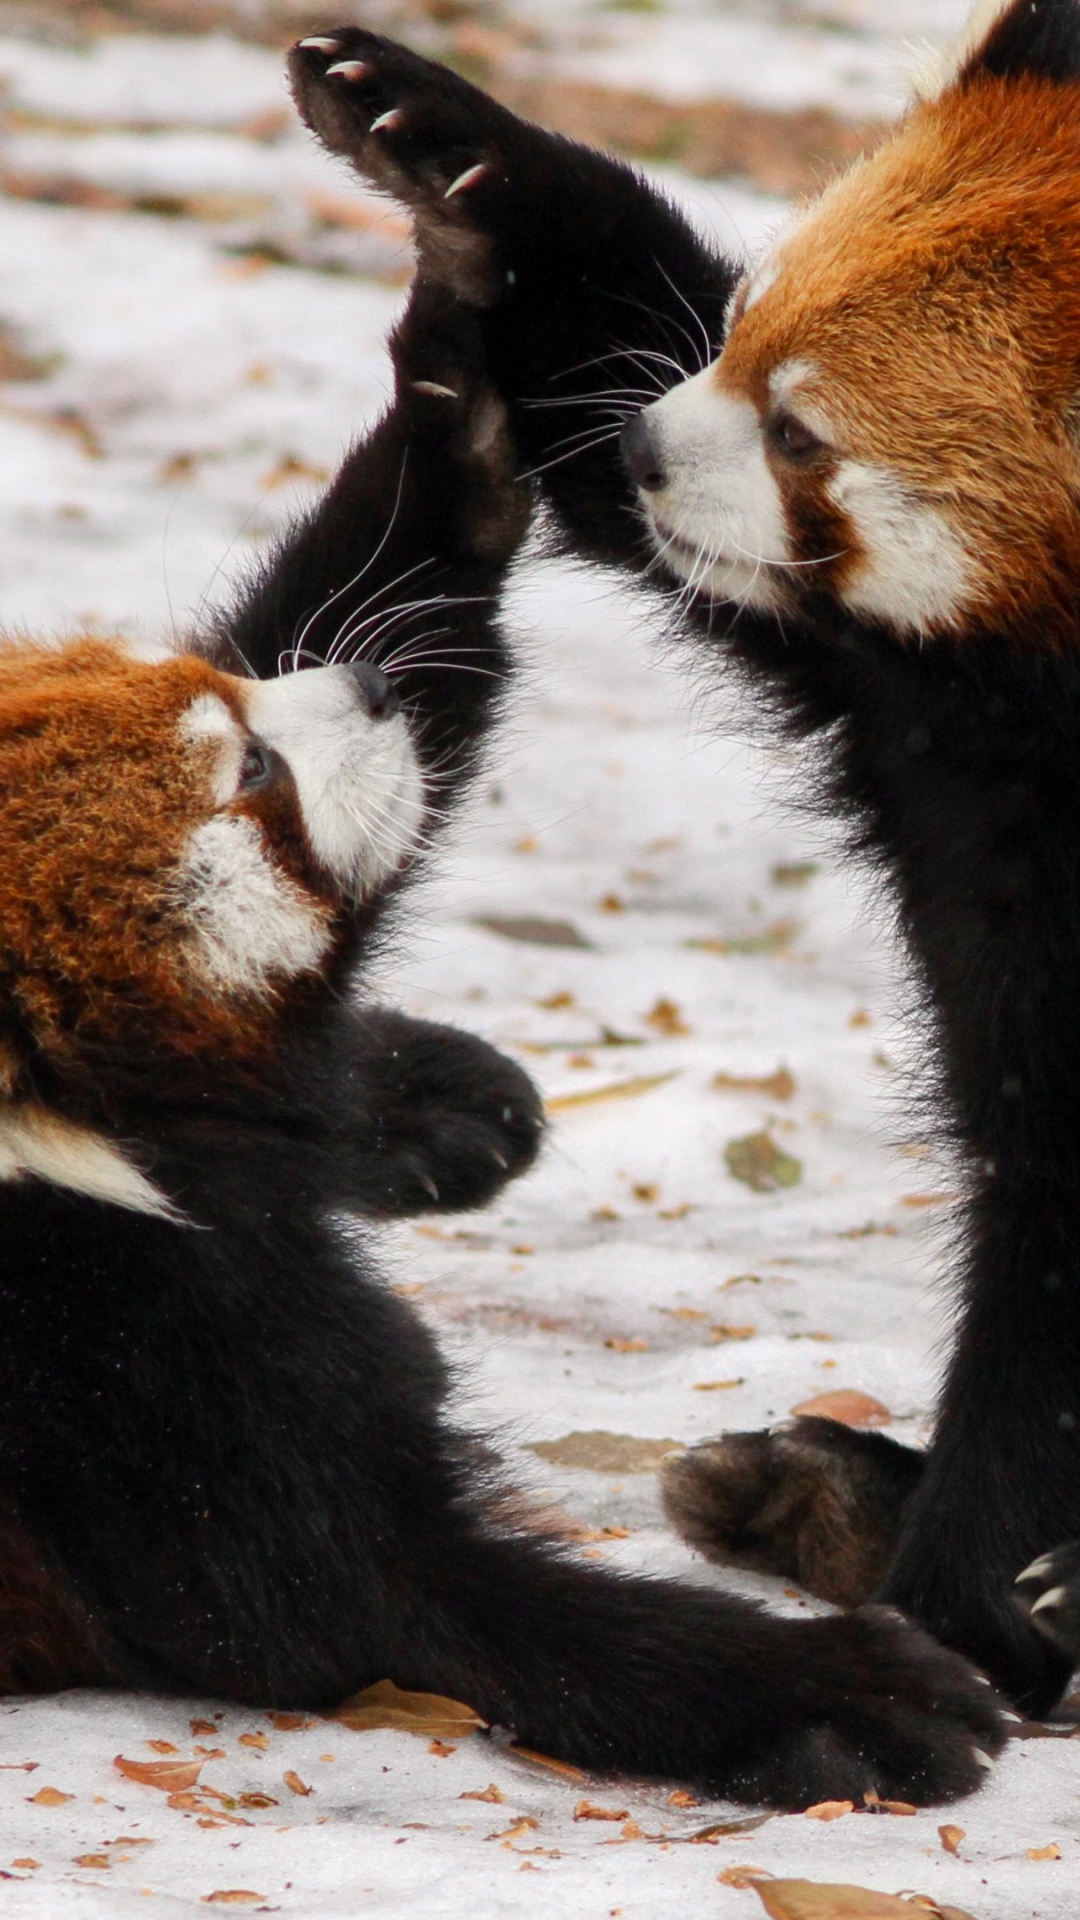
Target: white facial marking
[786, 380]
[247, 921]
[359, 781]
[935, 73]
[915, 574]
[37, 1144]
[719, 518]
[208, 718]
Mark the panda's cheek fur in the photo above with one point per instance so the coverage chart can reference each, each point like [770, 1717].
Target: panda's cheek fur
[246, 923]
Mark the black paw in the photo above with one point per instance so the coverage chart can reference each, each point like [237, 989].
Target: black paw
[457, 1119]
[418, 132]
[884, 1710]
[812, 1501]
[1049, 1590]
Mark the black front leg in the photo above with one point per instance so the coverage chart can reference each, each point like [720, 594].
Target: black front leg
[595, 294]
[403, 560]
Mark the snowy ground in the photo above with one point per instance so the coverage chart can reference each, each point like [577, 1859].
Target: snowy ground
[185, 391]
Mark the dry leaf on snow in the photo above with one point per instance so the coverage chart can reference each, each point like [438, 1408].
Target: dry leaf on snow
[532, 931]
[233, 1897]
[295, 1784]
[565, 1767]
[809, 1900]
[604, 1452]
[168, 1776]
[776, 1086]
[386, 1706]
[49, 1797]
[588, 1810]
[846, 1404]
[760, 1164]
[616, 1090]
[950, 1838]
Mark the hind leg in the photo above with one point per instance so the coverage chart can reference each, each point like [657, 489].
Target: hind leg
[811, 1501]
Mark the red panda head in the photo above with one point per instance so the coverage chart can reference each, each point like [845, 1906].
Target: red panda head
[895, 416]
[179, 845]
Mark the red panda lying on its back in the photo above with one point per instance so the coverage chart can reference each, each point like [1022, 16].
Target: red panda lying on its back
[226, 1465]
[871, 499]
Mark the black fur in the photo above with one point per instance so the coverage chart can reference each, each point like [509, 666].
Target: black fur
[957, 770]
[225, 1461]
[1040, 38]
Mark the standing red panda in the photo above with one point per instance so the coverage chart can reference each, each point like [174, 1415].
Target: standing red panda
[871, 499]
[226, 1463]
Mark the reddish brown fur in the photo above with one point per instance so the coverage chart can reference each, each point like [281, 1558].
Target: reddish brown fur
[96, 777]
[46, 1639]
[936, 288]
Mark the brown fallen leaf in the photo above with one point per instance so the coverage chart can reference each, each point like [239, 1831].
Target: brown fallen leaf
[604, 1452]
[813, 1900]
[522, 1825]
[848, 1405]
[726, 1331]
[916, 1200]
[1051, 1852]
[760, 1164]
[204, 1727]
[386, 1706]
[162, 1746]
[717, 1386]
[442, 1749]
[295, 1784]
[950, 1838]
[260, 1741]
[257, 1800]
[531, 930]
[680, 1798]
[771, 939]
[49, 1797]
[92, 1860]
[27, 1863]
[620, 1345]
[742, 1876]
[588, 1810]
[776, 1086]
[615, 1090]
[565, 1767]
[829, 1810]
[168, 1776]
[492, 1794]
[291, 1722]
[666, 1017]
[233, 1897]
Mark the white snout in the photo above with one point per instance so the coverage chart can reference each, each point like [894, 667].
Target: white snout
[358, 777]
[717, 517]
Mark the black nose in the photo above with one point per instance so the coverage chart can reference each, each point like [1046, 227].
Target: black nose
[640, 456]
[376, 690]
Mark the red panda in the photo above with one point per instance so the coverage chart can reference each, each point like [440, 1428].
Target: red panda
[864, 480]
[226, 1462]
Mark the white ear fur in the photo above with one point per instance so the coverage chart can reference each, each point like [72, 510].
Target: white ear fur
[940, 70]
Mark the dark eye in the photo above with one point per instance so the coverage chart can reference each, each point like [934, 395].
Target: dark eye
[790, 438]
[256, 767]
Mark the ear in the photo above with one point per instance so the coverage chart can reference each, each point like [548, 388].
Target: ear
[1011, 39]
